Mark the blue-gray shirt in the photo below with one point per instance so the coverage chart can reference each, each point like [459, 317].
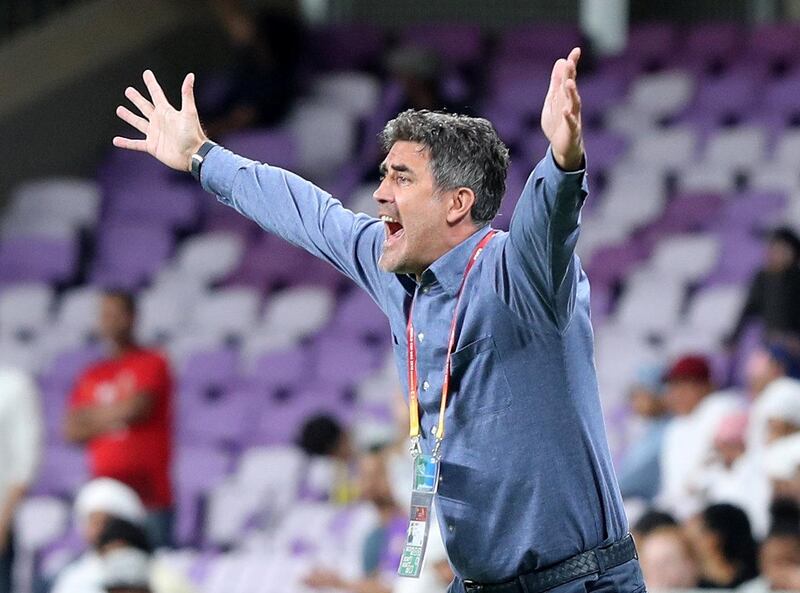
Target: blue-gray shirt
[526, 476]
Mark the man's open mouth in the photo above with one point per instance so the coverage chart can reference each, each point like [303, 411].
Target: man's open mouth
[394, 230]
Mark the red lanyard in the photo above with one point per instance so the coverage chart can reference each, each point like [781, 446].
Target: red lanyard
[413, 393]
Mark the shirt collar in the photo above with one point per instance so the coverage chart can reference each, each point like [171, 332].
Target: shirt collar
[449, 269]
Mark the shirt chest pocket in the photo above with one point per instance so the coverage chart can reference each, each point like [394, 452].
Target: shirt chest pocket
[478, 382]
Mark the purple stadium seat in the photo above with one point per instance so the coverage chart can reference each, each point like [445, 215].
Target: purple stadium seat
[221, 218]
[196, 470]
[741, 254]
[455, 43]
[154, 201]
[38, 259]
[275, 147]
[605, 148]
[651, 45]
[209, 370]
[752, 211]
[714, 42]
[356, 46]
[282, 370]
[539, 43]
[64, 469]
[689, 212]
[129, 255]
[775, 41]
[67, 366]
[611, 263]
[280, 423]
[344, 361]
[358, 316]
[224, 421]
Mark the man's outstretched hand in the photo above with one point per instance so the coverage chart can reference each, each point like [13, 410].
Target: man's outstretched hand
[561, 114]
[172, 136]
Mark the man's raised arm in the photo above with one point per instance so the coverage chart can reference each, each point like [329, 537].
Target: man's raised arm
[278, 200]
[544, 228]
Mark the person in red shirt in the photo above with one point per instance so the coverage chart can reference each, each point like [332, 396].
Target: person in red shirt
[121, 409]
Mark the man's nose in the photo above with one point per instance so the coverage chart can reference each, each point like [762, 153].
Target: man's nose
[381, 195]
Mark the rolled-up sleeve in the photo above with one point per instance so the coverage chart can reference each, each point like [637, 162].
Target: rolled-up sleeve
[543, 234]
[295, 209]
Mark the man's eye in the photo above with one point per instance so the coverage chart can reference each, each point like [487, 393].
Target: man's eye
[402, 179]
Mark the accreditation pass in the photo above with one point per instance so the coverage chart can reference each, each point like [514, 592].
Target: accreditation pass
[426, 480]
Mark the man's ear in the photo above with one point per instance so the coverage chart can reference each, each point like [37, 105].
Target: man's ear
[461, 202]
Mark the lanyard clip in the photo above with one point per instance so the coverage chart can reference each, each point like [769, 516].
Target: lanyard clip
[437, 453]
[416, 448]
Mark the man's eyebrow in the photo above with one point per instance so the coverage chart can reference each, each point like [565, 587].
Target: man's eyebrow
[402, 168]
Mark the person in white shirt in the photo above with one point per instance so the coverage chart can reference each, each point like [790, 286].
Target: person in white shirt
[731, 476]
[688, 442]
[20, 449]
[96, 502]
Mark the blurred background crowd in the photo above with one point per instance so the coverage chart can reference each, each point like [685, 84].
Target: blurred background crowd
[189, 404]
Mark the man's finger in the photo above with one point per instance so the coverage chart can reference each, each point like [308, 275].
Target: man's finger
[572, 121]
[142, 104]
[574, 57]
[130, 144]
[187, 93]
[557, 76]
[129, 117]
[575, 98]
[156, 93]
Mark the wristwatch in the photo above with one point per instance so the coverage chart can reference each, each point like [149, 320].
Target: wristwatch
[199, 157]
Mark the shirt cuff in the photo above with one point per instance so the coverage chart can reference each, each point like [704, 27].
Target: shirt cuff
[556, 177]
[218, 173]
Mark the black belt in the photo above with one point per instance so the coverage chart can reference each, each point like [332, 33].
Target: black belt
[595, 561]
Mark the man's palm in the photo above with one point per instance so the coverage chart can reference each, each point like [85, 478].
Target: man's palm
[171, 135]
[561, 113]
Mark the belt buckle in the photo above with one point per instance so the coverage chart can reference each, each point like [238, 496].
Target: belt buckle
[472, 586]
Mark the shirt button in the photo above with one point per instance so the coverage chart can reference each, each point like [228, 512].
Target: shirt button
[425, 385]
[420, 336]
[426, 290]
[451, 528]
[433, 430]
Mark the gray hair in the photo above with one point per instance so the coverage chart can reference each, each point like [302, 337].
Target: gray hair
[464, 152]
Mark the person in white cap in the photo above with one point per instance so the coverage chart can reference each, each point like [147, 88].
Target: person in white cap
[780, 409]
[96, 502]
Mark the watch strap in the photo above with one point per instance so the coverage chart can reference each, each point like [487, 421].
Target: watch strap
[199, 157]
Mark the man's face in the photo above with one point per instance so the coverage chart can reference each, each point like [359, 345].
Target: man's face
[778, 428]
[780, 561]
[116, 320]
[683, 395]
[95, 522]
[779, 256]
[414, 215]
[760, 370]
[373, 480]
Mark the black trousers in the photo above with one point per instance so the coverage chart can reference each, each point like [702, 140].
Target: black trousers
[6, 565]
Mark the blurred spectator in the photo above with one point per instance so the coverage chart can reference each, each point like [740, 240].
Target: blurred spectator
[724, 545]
[20, 448]
[118, 535]
[767, 364]
[121, 408]
[733, 477]
[775, 291]
[689, 437]
[125, 570]
[263, 81]
[418, 72]
[97, 503]
[382, 548]
[639, 474]
[779, 557]
[651, 520]
[779, 407]
[331, 476]
[667, 560]
[782, 463]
